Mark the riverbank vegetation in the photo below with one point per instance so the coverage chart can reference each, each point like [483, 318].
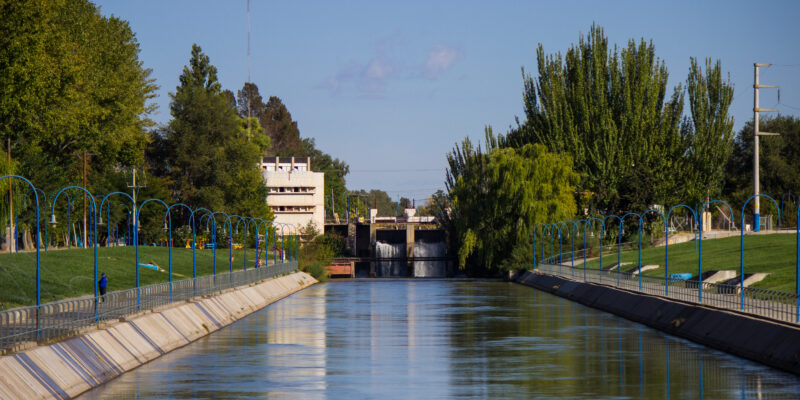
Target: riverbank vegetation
[616, 139]
[497, 195]
[76, 108]
[319, 251]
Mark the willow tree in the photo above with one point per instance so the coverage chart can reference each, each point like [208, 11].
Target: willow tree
[496, 198]
[609, 108]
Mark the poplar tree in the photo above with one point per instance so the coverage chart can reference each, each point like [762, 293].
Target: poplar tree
[609, 108]
[710, 137]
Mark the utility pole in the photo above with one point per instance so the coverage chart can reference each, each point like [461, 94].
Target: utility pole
[85, 245]
[249, 100]
[134, 187]
[756, 134]
[11, 237]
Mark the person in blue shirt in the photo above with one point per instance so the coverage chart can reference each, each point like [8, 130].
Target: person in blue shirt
[102, 284]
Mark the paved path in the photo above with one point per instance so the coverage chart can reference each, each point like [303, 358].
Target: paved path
[780, 306]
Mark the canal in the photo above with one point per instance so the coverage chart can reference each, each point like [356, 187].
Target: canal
[442, 339]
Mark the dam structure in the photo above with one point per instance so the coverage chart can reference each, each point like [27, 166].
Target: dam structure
[395, 247]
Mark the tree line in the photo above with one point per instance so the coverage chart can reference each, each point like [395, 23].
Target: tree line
[75, 98]
[603, 134]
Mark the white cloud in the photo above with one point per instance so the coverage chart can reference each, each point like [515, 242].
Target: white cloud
[378, 69]
[440, 59]
[372, 77]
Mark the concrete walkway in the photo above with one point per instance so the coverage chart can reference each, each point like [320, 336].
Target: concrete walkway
[764, 303]
[66, 369]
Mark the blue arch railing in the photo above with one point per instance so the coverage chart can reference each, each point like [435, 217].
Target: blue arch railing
[590, 224]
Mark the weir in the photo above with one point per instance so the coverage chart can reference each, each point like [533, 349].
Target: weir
[401, 248]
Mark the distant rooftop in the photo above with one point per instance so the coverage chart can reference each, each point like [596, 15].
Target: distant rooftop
[285, 164]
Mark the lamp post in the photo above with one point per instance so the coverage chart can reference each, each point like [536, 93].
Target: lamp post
[69, 221]
[210, 218]
[260, 222]
[296, 243]
[94, 222]
[38, 269]
[226, 227]
[275, 241]
[38, 190]
[700, 243]
[130, 226]
[227, 224]
[545, 228]
[106, 199]
[641, 221]
[797, 262]
[741, 240]
[534, 241]
[247, 221]
[666, 244]
[169, 223]
[283, 242]
[619, 244]
[588, 223]
[560, 249]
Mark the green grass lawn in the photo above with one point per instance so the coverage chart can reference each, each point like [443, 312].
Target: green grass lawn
[774, 254]
[70, 273]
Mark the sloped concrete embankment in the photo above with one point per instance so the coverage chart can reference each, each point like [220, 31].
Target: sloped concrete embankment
[71, 367]
[770, 342]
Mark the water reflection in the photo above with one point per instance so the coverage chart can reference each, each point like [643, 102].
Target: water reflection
[439, 339]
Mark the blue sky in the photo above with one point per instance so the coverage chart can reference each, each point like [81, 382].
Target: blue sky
[389, 87]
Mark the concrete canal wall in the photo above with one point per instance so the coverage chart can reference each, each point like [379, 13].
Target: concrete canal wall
[770, 342]
[71, 367]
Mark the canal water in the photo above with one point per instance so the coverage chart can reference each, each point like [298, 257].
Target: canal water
[442, 339]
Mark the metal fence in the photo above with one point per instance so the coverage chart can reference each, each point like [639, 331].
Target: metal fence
[61, 319]
[772, 304]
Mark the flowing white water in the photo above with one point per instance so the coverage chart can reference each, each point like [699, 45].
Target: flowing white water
[429, 269]
[393, 267]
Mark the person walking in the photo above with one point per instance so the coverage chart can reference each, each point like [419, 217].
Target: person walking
[102, 284]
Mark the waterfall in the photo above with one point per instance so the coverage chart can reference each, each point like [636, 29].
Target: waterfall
[429, 269]
[392, 267]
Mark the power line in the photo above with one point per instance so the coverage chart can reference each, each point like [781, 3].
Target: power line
[792, 107]
[398, 170]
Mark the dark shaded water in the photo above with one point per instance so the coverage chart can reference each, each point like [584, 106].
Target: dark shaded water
[443, 339]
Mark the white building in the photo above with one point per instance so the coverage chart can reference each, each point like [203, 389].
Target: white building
[296, 194]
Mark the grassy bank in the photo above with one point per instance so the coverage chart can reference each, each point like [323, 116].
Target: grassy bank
[70, 273]
[773, 254]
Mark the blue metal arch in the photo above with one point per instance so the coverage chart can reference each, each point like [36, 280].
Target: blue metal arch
[741, 239]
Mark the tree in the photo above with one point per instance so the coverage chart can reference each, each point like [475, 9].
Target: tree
[436, 205]
[249, 101]
[779, 157]
[282, 137]
[335, 171]
[281, 129]
[496, 198]
[211, 159]
[70, 81]
[710, 138]
[609, 109]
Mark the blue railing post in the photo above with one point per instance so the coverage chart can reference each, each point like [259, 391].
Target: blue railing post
[741, 238]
